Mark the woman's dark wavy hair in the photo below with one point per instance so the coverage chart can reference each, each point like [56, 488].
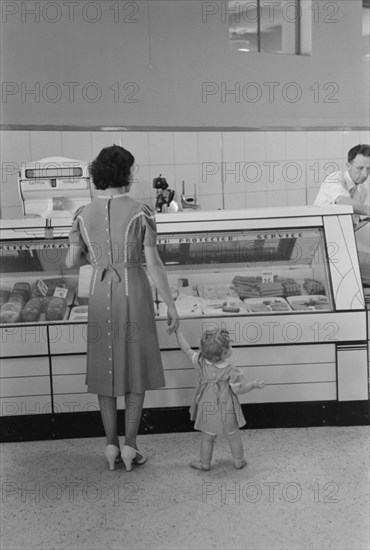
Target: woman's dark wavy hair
[112, 167]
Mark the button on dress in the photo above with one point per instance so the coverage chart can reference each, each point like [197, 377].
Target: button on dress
[122, 349]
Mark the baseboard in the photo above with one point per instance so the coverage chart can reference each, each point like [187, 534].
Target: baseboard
[169, 420]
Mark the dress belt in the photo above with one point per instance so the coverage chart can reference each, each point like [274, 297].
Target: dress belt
[114, 269]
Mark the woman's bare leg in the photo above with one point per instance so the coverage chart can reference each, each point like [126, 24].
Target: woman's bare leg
[108, 411]
[134, 406]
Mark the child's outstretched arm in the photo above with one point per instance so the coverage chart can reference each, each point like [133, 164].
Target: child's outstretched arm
[238, 385]
[184, 345]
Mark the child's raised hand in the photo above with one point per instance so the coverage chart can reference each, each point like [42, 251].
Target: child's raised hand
[259, 384]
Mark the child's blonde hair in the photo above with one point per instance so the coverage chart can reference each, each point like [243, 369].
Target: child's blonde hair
[214, 343]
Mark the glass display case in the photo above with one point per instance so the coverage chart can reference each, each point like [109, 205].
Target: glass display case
[35, 284]
[247, 271]
[285, 282]
[213, 273]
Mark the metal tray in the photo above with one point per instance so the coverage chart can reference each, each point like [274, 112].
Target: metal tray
[310, 302]
[271, 304]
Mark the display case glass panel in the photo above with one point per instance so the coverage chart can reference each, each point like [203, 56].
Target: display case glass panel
[243, 272]
[228, 272]
[35, 284]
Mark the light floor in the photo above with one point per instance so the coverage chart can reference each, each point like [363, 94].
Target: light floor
[304, 488]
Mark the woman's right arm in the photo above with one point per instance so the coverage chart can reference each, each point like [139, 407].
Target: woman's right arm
[158, 276]
[74, 256]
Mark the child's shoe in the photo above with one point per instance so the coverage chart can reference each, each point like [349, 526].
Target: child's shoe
[239, 463]
[200, 465]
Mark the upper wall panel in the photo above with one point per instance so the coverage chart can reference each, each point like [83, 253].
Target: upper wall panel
[169, 64]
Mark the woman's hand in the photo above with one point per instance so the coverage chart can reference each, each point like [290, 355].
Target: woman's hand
[172, 319]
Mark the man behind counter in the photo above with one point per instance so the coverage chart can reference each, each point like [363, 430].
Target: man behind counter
[349, 187]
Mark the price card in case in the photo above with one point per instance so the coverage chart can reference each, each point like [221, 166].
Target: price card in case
[267, 276]
[232, 302]
[43, 287]
[60, 292]
[232, 305]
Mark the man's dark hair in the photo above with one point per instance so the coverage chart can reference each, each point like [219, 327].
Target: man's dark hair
[362, 149]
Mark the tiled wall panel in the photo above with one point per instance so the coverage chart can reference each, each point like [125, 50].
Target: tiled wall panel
[225, 169]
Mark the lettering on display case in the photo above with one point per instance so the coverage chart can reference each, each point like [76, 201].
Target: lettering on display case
[196, 239]
[32, 255]
[242, 246]
[227, 238]
[33, 245]
[279, 235]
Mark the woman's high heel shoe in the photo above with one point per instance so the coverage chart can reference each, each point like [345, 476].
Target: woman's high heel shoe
[111, 453]
[131, 455]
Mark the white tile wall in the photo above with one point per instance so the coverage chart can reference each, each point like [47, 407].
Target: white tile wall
[80, 142]
[254, 175]
[334, 144]
[186, 148]
[229, 169]
[142, 188]
[256, 199]
[254, 146]
[12, 212]
[15, 148]
[296, 145]
[210, 147]
[364, 136]
[296, 197]
[233, 147]
[104, 139]
[276, 146]
[138, 144]
[349, 139]
[234, 201]
[232, 177]
[189, 174]
[161, 148]
[276, 198]
[294, 174]
[315, 147]
[211, 202]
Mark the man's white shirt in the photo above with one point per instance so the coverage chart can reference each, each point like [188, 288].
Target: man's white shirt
[340, 184]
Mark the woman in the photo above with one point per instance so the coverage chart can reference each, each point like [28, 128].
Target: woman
[123, 356]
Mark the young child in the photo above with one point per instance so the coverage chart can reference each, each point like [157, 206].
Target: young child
[216, 408]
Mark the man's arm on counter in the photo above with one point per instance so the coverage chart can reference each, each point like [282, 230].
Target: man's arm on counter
[359, 209]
